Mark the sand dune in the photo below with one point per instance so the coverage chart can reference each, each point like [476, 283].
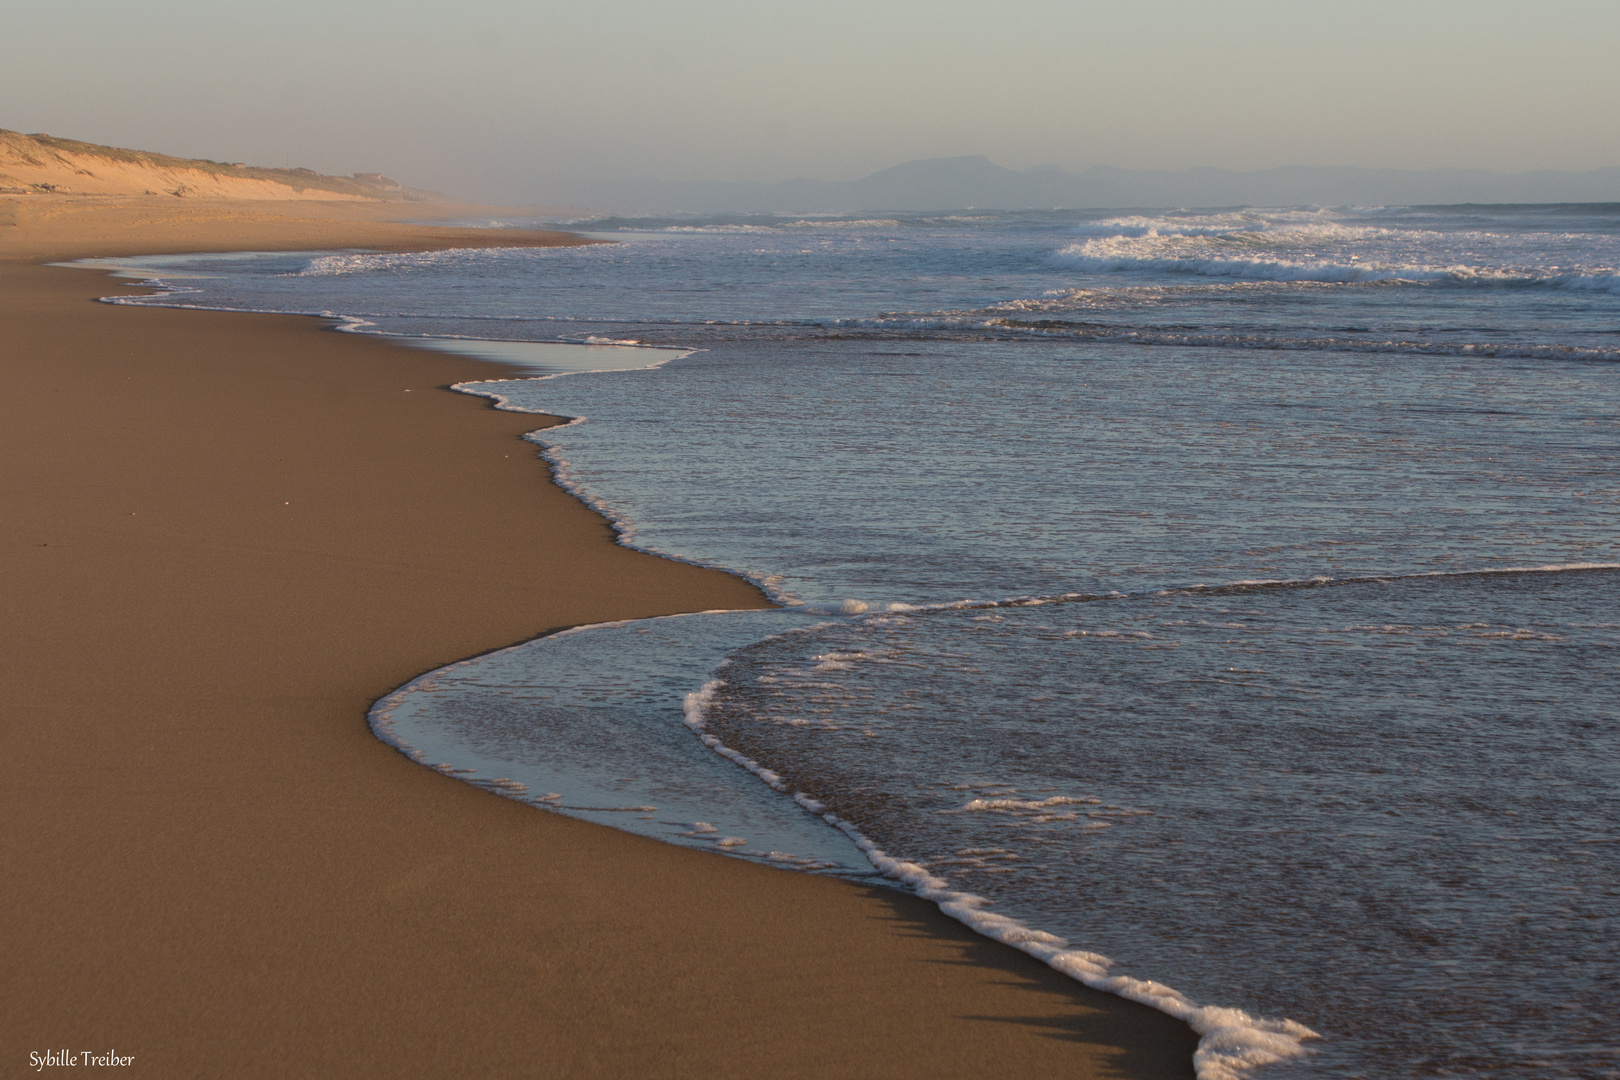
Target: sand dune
[43, 165]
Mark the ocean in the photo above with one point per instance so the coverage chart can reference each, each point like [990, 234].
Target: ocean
[1222, 606]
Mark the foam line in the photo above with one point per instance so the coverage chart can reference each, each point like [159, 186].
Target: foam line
[997, 322]
[1317, 582]
[1231, 1041]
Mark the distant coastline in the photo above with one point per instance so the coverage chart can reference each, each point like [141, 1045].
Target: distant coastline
[976, 181]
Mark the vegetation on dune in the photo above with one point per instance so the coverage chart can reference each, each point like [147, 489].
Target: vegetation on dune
[41, 151]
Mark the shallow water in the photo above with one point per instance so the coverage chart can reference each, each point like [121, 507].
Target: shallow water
[1352, 804]
[1007, 467]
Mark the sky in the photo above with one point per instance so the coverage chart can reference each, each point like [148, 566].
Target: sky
[525, 100]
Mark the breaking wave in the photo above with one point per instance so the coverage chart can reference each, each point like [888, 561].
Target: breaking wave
[1096, 258]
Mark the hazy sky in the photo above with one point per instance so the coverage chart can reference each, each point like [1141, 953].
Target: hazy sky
[512, 100]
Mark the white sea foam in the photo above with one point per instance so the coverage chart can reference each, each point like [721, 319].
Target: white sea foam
[1090, 258]
[978, 805]
[838, 607]
[1231, 1041]
[371, 262]
[1093, 258]
[1137, 226]
[1307, 246]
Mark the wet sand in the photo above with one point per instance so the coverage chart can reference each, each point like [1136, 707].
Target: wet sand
[225, 535]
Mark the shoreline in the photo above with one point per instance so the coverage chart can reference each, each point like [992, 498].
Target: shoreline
[212, 861]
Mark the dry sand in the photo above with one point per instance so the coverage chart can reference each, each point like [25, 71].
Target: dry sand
[45, 166]
[225, 535]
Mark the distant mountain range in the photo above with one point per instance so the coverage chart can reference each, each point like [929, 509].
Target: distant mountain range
[961, 182]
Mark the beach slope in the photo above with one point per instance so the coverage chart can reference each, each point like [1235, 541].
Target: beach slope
[45, 166]
[224, 536]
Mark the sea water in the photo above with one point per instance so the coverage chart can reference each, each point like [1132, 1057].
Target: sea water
[1221, 605]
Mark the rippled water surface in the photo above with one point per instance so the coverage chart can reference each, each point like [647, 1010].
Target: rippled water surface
[1357, 804]
[1227, 599]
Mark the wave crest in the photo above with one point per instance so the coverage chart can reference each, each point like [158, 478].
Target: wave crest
[1095, 258]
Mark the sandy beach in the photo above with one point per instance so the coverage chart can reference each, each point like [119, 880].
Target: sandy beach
[226, 535]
